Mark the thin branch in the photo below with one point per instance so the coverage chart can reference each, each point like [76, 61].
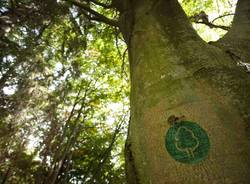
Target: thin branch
[211, 25]
[71, 138]
[121, 55]
[229, 14]
[202, 18]
[101, 4]
[117, 44]
[76, 26]
[41, 31]
[123, 61]
[104, 156]
[95, 15]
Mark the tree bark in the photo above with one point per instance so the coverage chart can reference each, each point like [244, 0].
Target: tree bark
[237, 40]
[174, 72]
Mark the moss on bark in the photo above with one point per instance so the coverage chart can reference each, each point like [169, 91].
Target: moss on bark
[173, 72]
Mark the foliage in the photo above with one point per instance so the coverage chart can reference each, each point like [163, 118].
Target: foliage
[64, 100]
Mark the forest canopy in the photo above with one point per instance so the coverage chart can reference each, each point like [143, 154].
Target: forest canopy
[64, 87]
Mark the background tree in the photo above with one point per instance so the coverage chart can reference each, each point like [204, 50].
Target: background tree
[63, 96]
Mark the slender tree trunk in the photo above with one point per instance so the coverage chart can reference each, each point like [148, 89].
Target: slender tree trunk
[174, 72]
[5, 178]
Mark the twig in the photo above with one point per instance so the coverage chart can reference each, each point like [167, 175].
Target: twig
[222, 17]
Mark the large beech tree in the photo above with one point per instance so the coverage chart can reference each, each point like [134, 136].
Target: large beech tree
[174, 73]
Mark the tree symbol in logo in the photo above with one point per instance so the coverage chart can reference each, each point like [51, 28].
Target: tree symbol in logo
[186, 141]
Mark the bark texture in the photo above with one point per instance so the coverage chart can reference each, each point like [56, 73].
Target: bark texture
[174, 72]
[237, 40]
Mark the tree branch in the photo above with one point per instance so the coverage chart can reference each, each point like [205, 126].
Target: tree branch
[237, 39]
[104, 156]
[241, 22]
[202, 18]
[211, 25]
[95, 15]
[229, 14]
[101, 4]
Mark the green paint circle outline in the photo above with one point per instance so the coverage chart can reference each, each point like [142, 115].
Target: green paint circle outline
[197, 149]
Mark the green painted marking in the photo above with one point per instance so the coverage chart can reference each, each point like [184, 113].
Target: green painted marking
[187, 142]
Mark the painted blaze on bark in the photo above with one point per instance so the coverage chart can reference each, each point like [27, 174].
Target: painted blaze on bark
[187, 142]
[173, 71]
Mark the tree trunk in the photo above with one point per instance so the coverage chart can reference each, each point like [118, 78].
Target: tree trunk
[174, 72]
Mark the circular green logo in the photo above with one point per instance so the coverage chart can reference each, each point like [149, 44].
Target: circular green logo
[187, 142]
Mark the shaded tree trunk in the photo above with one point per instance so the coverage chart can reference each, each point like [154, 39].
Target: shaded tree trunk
[5, 178]
[174, 72]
